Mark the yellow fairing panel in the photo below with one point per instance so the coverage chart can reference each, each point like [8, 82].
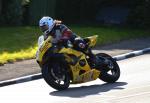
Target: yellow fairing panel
[76, 68]
[93, 40]
[43, 48]
[70, 51]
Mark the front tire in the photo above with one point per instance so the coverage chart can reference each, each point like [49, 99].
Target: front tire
[59, 79]
[109, 73]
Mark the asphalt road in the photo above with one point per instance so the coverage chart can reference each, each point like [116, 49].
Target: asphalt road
[132, 87]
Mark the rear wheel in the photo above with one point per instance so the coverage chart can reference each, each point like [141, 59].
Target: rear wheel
[56, 76]
[110, 72]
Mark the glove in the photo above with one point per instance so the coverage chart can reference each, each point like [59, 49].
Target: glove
[65, 42]
[80, 44]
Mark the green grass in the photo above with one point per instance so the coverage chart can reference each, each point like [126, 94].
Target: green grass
[108, 35]
[17, 43]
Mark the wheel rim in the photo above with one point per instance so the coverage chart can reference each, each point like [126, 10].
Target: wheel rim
[111, 69]
[58, 75]
[58, 80]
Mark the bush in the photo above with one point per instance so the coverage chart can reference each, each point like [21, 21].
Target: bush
[11, 12]
[139, 15]
[79, 11]
[76, 10]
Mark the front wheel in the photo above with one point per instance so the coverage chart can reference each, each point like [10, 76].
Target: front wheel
[110, 72]
[56, 76]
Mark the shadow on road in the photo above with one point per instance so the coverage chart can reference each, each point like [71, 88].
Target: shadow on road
[79, 92]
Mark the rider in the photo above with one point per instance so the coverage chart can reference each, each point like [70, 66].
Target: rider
[61, 34]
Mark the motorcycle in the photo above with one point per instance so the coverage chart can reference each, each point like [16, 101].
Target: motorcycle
[62, 66]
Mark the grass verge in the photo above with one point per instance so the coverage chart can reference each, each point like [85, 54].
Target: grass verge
[19, 43]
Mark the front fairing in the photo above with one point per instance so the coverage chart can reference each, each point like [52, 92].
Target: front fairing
[43, 46]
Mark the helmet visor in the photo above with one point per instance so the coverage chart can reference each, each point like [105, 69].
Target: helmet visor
[44, 28]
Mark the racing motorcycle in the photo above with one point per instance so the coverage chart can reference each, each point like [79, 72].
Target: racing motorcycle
[62, 66]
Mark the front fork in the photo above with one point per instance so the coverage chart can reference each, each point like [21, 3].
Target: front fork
[104, 64]
[99, 61]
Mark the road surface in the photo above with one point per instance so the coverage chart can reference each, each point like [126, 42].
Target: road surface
[132, 87]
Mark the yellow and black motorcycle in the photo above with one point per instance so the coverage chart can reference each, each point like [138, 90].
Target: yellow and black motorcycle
[62, 66]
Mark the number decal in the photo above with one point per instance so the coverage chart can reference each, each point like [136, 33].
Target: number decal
[45, 47]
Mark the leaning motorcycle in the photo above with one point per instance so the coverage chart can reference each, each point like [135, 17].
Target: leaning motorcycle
[62, 66]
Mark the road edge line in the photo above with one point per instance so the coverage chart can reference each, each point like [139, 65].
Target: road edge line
[39, 75]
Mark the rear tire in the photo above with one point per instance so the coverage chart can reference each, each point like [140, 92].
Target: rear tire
[50, 76]
[115, 70]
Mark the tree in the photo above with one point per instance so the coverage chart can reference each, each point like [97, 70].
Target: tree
[0, 6]
[11, 13]
[139, 15]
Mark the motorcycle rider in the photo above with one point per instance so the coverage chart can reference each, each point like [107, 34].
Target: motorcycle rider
[61, 34]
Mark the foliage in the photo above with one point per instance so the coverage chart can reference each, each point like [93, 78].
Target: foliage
[17, 12]
[11, 12]
[76, 10]
[139, 15]
[18, 43]
[79, 11]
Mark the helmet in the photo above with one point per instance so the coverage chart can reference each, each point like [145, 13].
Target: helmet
[46, 24]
